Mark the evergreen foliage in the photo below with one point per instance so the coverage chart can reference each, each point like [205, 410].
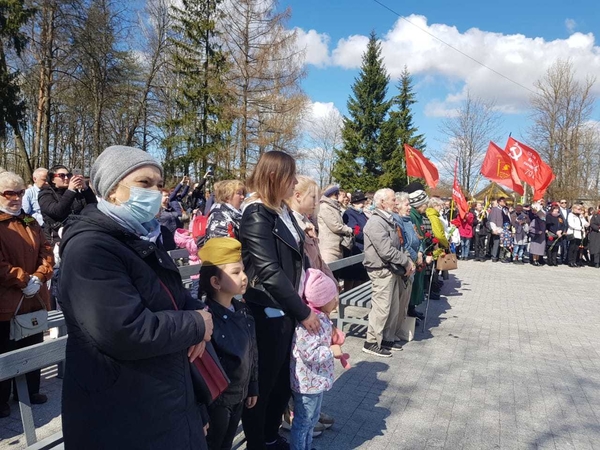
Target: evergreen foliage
[400, 130]
[201, 122]
[359, 163]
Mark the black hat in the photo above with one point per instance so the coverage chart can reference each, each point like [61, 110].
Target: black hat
[413, 186]
[357, 197]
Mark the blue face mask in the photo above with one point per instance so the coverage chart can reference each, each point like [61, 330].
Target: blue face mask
[143, 204]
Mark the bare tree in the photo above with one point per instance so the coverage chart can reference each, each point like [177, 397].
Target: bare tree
[469, 133]
[324, 137]
[266, 70]
[559, 112]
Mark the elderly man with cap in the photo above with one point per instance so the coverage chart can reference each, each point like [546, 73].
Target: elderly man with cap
[332, 229]
[386, 262]
[133, 328]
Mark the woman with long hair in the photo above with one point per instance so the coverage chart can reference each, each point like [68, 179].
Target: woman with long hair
[273, 255]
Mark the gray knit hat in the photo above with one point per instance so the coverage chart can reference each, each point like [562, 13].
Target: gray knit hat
[114, 164]
[417, 198]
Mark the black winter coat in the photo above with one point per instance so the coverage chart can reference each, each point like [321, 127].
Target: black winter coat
[555, 224]
[127, 382]
[273, 261]
[56, 205]
[594, 235]
[234, 340]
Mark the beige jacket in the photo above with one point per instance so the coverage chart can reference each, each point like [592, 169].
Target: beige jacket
[331, 229]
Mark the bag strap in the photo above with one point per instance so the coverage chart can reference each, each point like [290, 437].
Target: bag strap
[21, 302]
[19, 305]
[168, 293]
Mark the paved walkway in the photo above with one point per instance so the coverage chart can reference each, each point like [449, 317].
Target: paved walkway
[509, 360]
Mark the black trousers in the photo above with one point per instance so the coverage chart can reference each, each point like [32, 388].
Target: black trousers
[224, 421]
[274, 340]
[574, 251]
[6, 345]
[564, 251]
[495, 239]
[552, 255]
[480, 246]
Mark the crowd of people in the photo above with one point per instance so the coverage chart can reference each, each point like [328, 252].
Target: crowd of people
[543, 233]
[263, 299]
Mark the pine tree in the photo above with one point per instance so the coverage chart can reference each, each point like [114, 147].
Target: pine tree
[200, 127]
[399, 130]
[14, 15]
[359, 164]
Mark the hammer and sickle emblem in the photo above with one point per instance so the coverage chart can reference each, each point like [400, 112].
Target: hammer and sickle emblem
[515, 152]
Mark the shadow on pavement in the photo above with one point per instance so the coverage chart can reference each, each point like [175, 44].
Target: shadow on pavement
[358, 404]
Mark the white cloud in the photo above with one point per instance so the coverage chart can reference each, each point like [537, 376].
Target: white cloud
[318, 110]
[349, 51]
[521, 58]
[571, 25]
[315, 46]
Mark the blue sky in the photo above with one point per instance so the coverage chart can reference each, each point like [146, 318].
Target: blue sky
[517, 38]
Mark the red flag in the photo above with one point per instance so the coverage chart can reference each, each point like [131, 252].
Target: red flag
[419, 166]
[457, 195]
[497, 166]
[529, 166]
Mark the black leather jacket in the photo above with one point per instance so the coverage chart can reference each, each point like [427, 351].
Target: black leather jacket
[273, 261]
[234, 340]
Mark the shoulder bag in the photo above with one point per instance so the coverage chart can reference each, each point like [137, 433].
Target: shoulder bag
[25, 325]
[208, 376]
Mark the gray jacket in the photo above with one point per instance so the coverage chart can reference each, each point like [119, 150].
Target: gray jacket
[382, 243]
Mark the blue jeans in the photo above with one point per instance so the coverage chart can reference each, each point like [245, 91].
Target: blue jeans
[307, 408]
[465, 247]
[518, 251]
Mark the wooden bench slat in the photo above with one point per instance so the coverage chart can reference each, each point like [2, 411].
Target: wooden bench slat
[38, 356]
[179, 253]
[346, 262]
[54, 442]
[188, 271]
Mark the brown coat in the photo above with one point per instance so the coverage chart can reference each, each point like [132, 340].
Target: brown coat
[24, 251]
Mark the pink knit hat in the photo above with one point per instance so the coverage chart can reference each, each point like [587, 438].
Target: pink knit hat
[319, 289]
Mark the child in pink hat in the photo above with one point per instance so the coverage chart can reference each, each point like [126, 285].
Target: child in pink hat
[311, 369]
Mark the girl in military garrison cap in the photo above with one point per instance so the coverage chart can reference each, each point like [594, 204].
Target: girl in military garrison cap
[222, 278]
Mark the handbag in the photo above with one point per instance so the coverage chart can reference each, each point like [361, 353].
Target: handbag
[208, 376]
[25, 325]
[447, 261]
[348, 242]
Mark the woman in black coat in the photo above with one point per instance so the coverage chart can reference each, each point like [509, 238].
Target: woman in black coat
[273, 254]
[65, 194]
[555, 229]
[128, 381]
[594, 238]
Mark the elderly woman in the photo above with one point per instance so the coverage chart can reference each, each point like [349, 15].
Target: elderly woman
[332, 229]
[225, 216]
[412, 244]
[575, 233]
[133, 327]
[537, 233]
[433, 214]
[25, 267]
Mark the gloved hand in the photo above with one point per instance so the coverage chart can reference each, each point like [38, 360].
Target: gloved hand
[32, 287]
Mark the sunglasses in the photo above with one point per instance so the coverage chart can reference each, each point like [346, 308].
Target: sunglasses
[13, 195]
[62, 176]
